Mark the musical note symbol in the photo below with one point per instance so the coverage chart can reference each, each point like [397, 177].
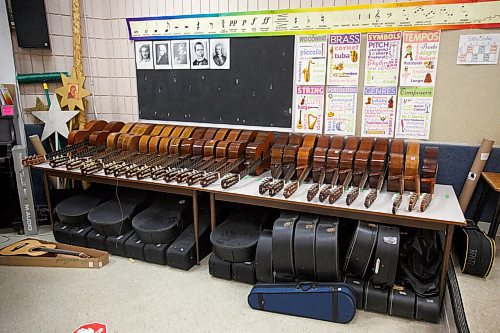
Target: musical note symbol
[295, 20]
[243, 23]
[253, 21]
[266, 20]
[308, 19]
[212, 25]
[223, 23]
[198, 25]
[168, 27]
[322, 18]
[389, 15]
[232, 23]
[377, 16]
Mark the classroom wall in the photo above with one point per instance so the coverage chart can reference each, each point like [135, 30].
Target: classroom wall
[466, 103]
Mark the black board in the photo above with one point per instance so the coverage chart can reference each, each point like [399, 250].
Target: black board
[256, 91]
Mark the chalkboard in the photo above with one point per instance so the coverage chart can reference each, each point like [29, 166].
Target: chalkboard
[256, 91]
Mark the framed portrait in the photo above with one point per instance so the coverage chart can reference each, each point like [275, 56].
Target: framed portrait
[180, 54]
[162, 55]
[220, 53]
[144, 55]
[199, 53]
[72, 91]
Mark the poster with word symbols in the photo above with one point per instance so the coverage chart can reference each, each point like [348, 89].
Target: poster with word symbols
[382, 59]
[309, 108]
[343, 59]
[310, 59]
[414, 112]
[379, 111]
[340, 109]
[419, 58]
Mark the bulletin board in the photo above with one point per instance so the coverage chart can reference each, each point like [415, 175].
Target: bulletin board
[256, 91]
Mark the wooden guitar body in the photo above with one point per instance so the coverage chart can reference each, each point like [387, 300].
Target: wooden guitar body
[221, 149]
[78, 136]
[259, 150]
[100, 137]
[362, 159]
[395, 180]
[144, 141]
[378, 161]
[429, 170]
[347, 157]
[305, 153]
[277, 153]
[412, 180]
[155, 140]
[112, 139]
[333, 157]
[319, 156]
[164, 143]
[130, 141]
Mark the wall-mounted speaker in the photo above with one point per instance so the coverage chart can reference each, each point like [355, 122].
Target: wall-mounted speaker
[31, 23]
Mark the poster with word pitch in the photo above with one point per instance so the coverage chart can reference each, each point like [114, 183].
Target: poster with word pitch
[340, 110]
[414, 112]
[382, 59]
[310, 59]
[309, 108]
[343, 59]
[419, 58]
[379, 111]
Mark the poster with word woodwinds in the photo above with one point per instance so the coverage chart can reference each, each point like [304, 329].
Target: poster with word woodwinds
[414, 112]
[340, 110]
[382, 59]
[419, 58]
[343, 59]
[379, 111]
[309, 108]
[310, 59]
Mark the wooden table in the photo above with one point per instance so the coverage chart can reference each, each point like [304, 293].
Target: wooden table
[492, 181]
[442, 214]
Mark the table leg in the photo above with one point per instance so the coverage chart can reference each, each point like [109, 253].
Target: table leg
[213, 220]
[492, 232]
[446, 260]
[47, 194]
[477, 211]
[195, 222]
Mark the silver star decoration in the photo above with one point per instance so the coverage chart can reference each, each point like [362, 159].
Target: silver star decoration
[55, 120]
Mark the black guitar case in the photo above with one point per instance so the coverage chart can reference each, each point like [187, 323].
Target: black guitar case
[358, 286]
[402, 302]
[78, 236]
[219, 268]
[134, 247]
[283, 232]
[361, 249]
[327, 250]
[264, 257]
[74, 210]
[304, 247]
[428, 309]
[96, 241]
[386, 256]
[243, 272]
[164, 220]
[62, 233]
[156, 253]
[116, 244]
[113, 217]
[476, 251]
[236, 238]
[376, 298]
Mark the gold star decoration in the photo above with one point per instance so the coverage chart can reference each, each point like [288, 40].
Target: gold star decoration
[39, 106]
[72, 91]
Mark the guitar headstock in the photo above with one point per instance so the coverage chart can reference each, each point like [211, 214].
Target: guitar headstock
[335, 194]
[396, 203]
[324, 193]
[371, 197]
[352, 195]
[264, 185]
[313, 190]
[426, 200]
[275, 187]
[229, 180]
[208, 179]
[290, 189]
[413, 201]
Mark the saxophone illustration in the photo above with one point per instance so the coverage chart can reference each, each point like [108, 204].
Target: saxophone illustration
[307, 71]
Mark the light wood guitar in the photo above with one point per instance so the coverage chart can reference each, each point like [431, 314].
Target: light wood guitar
[34, 248]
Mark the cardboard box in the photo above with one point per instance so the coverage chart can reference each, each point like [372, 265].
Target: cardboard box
[99, 258]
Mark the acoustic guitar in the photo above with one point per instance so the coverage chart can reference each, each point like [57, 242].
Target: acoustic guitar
[395, 180]
[361, 169]
[428, 178]
[378, 169]
[34, 248]
[332, 167]
[412, 179]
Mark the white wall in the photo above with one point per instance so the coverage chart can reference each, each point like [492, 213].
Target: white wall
[7, 69]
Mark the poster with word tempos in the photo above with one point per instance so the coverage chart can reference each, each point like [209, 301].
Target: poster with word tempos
[340, 109]
[419, 58]
[478, 49]
[310, 59]
[343, 59]
[414, 112]
[379, 111]
[309, 107]
[382, 59]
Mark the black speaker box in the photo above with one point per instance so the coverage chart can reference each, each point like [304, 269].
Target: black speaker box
[31, 23]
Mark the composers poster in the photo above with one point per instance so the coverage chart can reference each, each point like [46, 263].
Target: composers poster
[144, 55]
[379, 111]
[382, 59]
[419, 58]
[414, 112]
[310, 59]
[309, 107]
[343, 59]
[340, 110]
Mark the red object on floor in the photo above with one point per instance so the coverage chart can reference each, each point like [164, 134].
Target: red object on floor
[91, 328]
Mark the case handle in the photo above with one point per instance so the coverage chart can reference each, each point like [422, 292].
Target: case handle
[305, 286]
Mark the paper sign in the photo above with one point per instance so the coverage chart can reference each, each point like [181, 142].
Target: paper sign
[310, 59]
[309, 107]
[478, 49]
[340, 110]
[379, 111]
[343, 59]
[7, 110]
[382, 59]
[419, 58]
[414, 112]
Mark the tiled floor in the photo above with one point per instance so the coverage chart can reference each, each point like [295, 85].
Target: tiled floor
[140, 297]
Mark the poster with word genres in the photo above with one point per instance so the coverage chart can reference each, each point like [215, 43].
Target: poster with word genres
[419, 58]
[379, 111]
[414, 112]
[382, 59]
[340, 110]
[309, 108]
[343, 59]
[310, 59]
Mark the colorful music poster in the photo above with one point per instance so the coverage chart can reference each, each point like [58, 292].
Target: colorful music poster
[309, 108]
[382, 59]
[340, 110]
[379, 111]
[478, 49]
[310, 59]
[343, 59]
[414, 112]
[419, 58]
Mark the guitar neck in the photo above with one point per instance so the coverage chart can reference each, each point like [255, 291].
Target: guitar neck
[59, 251]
